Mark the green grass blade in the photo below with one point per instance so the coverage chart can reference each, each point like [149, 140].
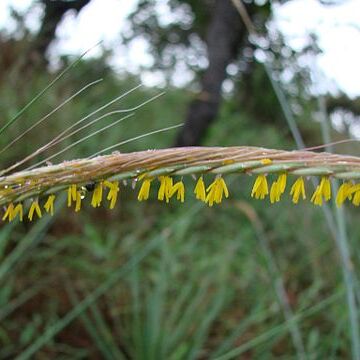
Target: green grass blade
[190, 315]
[255, 318]
[278, 285]
[205, 323]
[51, 331]
[276, 330]
[89, 325]
[23, 297]
[105, 332]
[5, 235]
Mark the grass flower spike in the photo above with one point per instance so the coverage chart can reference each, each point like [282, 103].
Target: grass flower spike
[113, 192]
[297, 190]
[322, 192]
[179, 189]
[49, 205]
[9, 213]
[34, 208]
[275, 192]
[78, 201]
[12, 211]
[71, 194]
[144, 190]
[277, 188]
[344, 193]
[260, 188]
[282, 182]
[216, 190]
[166, 184]
[97, 195]
[199, 190]
[355, 194]
[18, 210]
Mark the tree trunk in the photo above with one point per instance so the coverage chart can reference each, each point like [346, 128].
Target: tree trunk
[225, 34]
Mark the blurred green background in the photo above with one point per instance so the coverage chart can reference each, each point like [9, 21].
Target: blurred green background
[149, 280]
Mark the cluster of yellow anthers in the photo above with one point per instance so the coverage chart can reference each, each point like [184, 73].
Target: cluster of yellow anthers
[347, 191]
[213, 194]
[75, 195]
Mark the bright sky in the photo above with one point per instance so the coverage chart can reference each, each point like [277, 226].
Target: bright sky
[338, 31]
[337, 28]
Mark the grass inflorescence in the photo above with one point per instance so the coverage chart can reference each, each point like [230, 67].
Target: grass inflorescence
[171, 164]
[187, 282]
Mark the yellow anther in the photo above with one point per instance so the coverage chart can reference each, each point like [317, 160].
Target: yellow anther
[49, 205]
[297, 190]
[199, 190]
[260, 188]
[34, 208]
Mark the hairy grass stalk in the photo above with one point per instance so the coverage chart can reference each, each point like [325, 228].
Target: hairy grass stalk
[175, 161]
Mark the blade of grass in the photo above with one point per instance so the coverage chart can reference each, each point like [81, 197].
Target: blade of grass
[256, 318]
[155, 307]
[276, 279]
[5, 236]
[205, 323]
[136, 312]
[23, 297]
[189, 317]
[51, 331]
[89, 325]
[276, 330]
[340, 326]
[106, 333]
[185, 296]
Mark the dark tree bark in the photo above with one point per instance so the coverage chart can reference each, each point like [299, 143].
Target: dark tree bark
[225, 34]
[54, 11]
